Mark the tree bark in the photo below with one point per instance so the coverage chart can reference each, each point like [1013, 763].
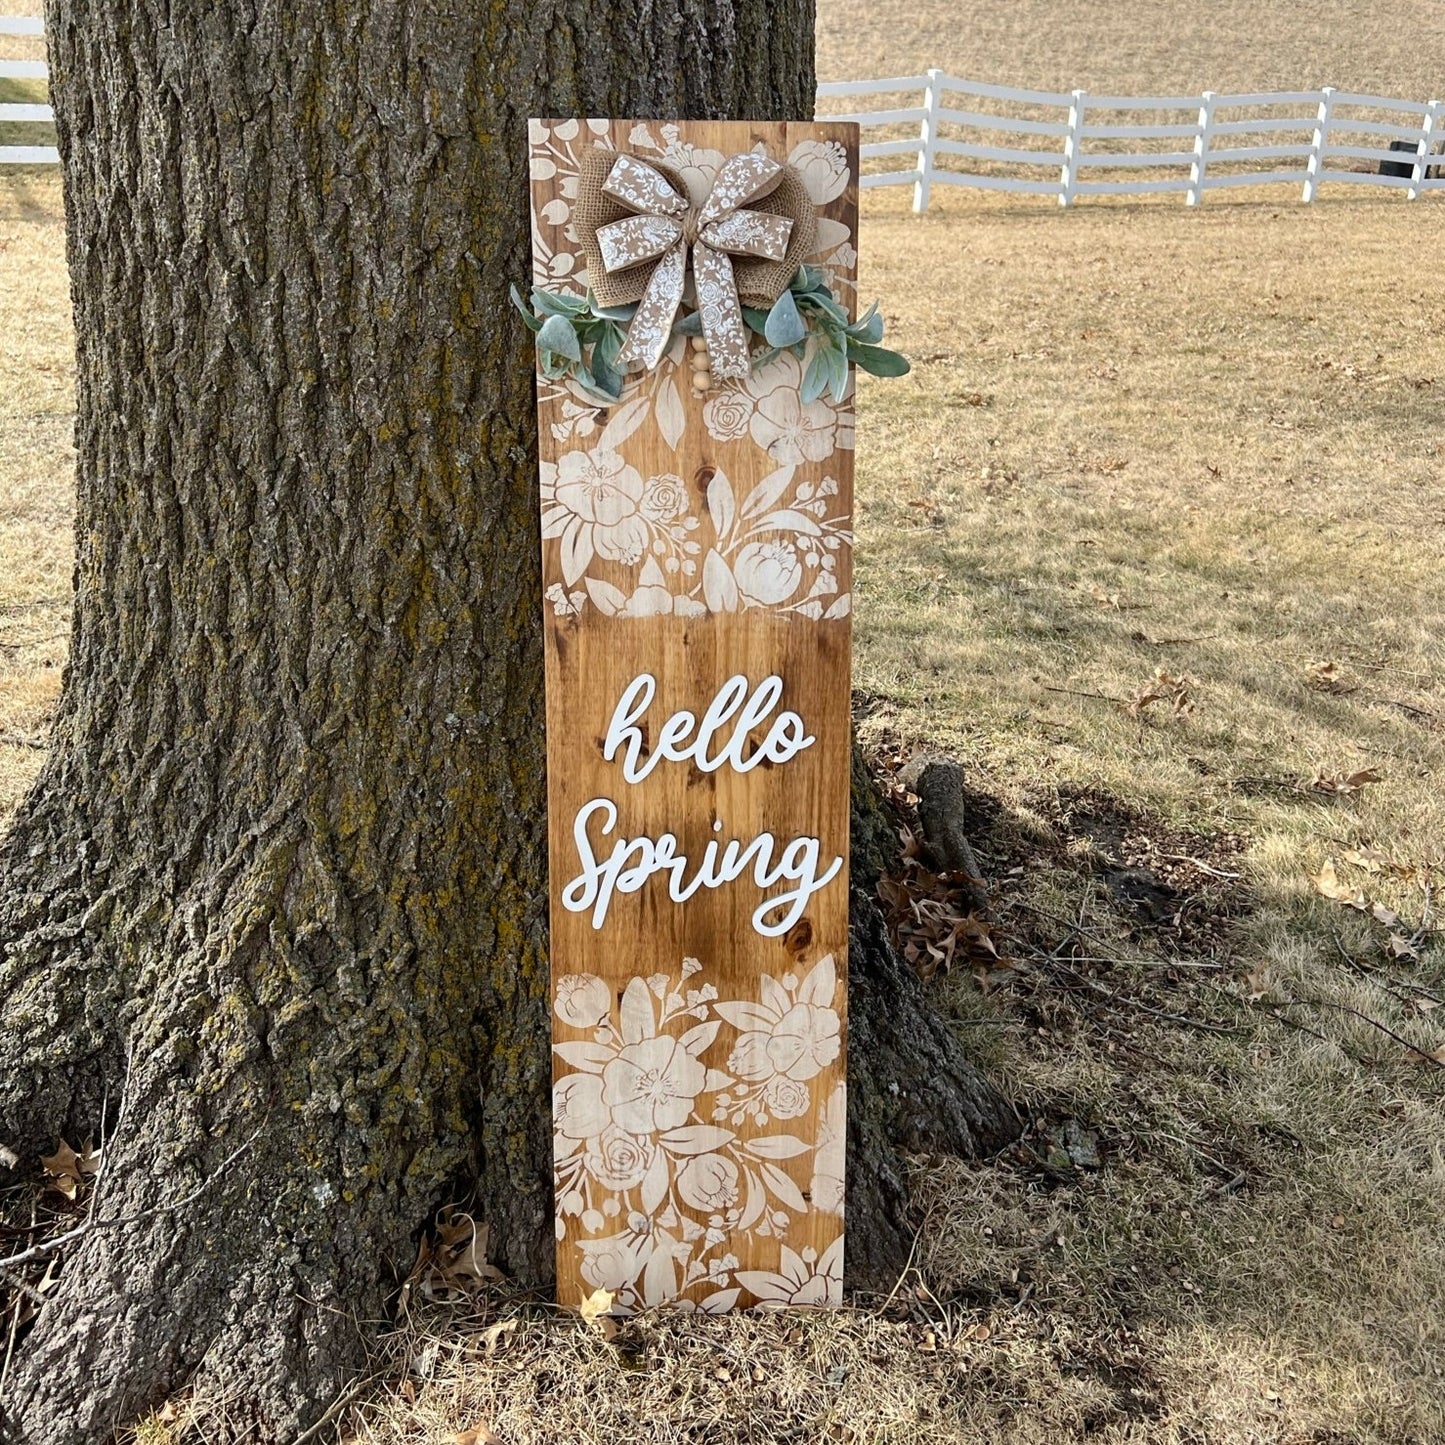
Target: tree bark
[275, 912]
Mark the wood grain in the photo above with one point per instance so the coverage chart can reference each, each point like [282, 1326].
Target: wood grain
[727, 1192]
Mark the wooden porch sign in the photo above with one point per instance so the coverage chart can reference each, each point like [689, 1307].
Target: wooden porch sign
[697, 571]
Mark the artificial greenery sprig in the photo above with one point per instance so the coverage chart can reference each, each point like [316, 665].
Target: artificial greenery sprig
[579, 339]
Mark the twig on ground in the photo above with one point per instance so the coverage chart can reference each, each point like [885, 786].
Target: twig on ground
[1203, 867]
[1374, 1023]
[1097, 696]
[1125, 1001]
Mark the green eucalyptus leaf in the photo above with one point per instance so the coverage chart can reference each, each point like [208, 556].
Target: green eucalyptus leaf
[611, 313]
[609, 344]
[826, 306]
[757, 320]
[532, 323]
[554, 303]
[557, 334]
[605, 377]
[809, 278]
[784, 326]
[690, 325]
[816, 378]
[877, 360]
[868, 328]
[837, 372]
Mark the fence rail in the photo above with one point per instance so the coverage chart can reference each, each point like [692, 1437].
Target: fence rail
[1066, 145]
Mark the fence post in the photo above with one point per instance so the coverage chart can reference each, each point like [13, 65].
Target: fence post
[1069, 178]
[927, 135]
[1317, 145]
[1195, 194]
[1422, 155]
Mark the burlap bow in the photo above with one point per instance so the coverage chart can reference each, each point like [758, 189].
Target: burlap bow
[665, 226]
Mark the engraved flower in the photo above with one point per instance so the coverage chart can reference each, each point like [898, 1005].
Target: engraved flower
[591, 500]
[709, 1183]
[616, 1160]
[826, 1188]
[665, 498]
[786, 1098]
[789, 429]
[653, 599]
[802, 1279]
[651, 1085]
[801, 1045]
[583, 1000]
[695, 166]
[823, 165]
[615, 1261]
[726, 415]
[577, 1108]
[767, 572]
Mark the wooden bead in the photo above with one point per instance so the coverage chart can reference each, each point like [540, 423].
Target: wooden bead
[701, 361]
[701, 381]
[699, 343]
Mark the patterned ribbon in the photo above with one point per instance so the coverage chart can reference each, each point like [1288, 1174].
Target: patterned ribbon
[665, 227]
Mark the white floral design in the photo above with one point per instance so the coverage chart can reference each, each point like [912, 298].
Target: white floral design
[789, 429]
[771, 529]
[663, 1157]
[802, 1279]
[823, 165]
[726, 414]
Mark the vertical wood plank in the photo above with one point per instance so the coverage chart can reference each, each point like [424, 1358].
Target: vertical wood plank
[699, 1087]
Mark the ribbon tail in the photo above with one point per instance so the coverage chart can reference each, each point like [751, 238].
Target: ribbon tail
[721, 313]
[651, 327]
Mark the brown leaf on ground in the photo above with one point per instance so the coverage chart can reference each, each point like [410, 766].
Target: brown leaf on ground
[1327, 884]
[479, 1434]
[65, 1170]
[1368, 858]
[594, 1311]
[1176, 689]
[1398, 946]
[1343, 784]
[1326, 677]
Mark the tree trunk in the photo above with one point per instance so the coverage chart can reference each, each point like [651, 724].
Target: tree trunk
[275, 913]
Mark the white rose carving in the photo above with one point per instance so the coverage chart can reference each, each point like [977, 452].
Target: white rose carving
[726, 415]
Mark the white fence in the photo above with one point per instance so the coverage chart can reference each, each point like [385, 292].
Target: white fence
[30, 26]
[1048, 143]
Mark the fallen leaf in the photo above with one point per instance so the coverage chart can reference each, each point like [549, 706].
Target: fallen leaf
[64, 1170]
[493, 1333]
[1325, 677]
[1343, 784]
[480, 1434]
[1327, 883]
[1384, 915]
[594, 1311]
[1260, 981]
[1370, 859]
[1398, 946]
[1177, 689]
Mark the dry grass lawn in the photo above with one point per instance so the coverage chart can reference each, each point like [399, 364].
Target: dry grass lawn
[1144, 47]
[1135, 438]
